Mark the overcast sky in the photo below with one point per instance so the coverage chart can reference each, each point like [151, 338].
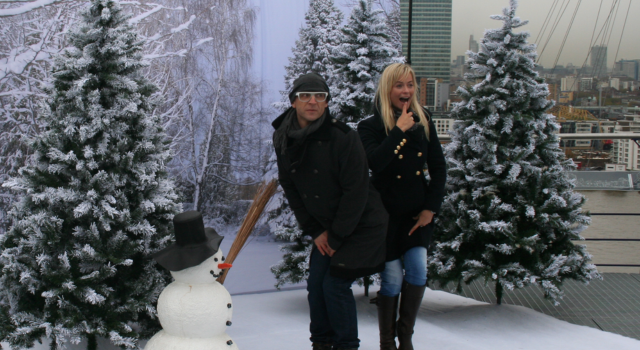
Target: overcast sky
[471, 17]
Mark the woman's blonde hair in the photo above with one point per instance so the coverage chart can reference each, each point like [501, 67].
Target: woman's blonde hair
[390, 76]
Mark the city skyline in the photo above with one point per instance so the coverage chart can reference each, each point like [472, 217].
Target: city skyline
[472, 17]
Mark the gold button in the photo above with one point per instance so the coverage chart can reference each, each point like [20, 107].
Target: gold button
[401, 143]
[419, 154]
[404, 140]
[399, 177]
[418, 172]
[400, 156]
[396, 151]
[398, 147]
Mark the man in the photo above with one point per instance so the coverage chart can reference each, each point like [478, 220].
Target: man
[323, 170]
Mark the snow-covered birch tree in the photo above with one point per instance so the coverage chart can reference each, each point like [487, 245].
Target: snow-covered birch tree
[364, 52]
[220, 138]
[511, 214]
[95, 198]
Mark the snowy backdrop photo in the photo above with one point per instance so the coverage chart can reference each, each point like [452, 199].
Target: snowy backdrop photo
[116, 115]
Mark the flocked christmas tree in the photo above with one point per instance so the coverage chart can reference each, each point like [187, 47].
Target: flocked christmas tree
[366, 50]
[511, 213]
[96, 199]
[311, 53]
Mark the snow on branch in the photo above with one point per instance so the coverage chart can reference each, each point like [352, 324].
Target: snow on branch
[184, 25]
[140, 17]
[31, 5]
[179, 53]
[156, 7]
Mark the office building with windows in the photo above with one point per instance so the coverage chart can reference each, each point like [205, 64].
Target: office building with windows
[599, 61]
[430, 37]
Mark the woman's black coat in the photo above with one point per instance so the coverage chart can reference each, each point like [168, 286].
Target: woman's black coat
[326, 182]
[398, 162]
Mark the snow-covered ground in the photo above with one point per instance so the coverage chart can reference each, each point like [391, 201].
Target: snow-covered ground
[279, 320]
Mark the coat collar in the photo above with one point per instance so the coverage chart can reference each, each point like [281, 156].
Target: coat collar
[323, 133]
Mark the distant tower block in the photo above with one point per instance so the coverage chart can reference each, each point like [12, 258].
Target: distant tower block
[599, 61]
[473, 44]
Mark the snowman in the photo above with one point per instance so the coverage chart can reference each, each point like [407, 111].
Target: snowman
[195, 309]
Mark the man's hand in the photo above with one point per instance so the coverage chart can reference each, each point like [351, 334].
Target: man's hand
[322, 242]
[405, 122]
[424, 219]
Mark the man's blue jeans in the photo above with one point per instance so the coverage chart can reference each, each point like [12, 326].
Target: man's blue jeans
[331, 304]
[415, 271]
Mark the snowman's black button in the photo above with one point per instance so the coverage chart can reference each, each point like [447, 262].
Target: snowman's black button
[229, 305]
[229, 342]
[228, 323]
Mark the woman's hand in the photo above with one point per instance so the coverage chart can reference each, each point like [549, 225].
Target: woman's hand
[405, 122]
[424, 218]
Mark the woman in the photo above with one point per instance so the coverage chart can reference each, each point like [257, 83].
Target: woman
[400, 139]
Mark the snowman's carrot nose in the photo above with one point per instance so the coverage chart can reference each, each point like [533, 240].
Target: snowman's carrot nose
[224, 266]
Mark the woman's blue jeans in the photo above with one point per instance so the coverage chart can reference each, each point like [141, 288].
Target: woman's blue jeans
[415, 271]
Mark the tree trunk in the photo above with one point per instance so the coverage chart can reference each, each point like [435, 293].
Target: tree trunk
[53, 345]
[367, 282]
[92, 343]
[207, 146]
[499, 292]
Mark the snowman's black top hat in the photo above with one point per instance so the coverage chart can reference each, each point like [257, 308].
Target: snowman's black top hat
[194, 243]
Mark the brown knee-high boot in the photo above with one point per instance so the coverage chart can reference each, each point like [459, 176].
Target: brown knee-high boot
[411, 298]
[387, 313]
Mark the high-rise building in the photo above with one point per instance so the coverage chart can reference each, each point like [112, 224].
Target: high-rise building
[473, 45]
[569, 83]
[599, 60]
[629, 68]
[433, 94]
[430, 37]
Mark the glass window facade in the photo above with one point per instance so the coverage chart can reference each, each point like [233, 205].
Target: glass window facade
[430, 37]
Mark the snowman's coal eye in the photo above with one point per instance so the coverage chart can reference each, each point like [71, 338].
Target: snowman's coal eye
[223, 258]
[211, 272]
[216, 259]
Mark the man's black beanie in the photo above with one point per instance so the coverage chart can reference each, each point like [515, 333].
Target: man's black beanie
[310, 82]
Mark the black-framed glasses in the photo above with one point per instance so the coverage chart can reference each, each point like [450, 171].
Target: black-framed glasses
[306, 96]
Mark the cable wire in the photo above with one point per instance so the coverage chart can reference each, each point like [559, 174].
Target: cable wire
[590, 48]
[544, 24]
[566, 34]
[619, 42]
[558, 17]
